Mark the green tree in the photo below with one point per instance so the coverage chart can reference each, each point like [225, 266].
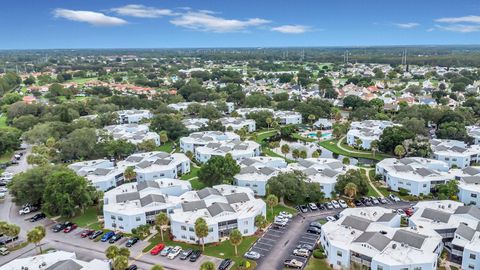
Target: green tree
[272, 201]
[207, 266]
[374, 147]
[260, 222]
[129, 174]
[11, 230]
[449, 190]
[147, 145]
[120, 263]
[170, 124]
[35, 236]
[163, 137]
[79, 144]
[285, 149]
[316, 154]
[157, 267]
[218, 170]
[161, 220]
[355, 177]
[235, 239]
[9, 139]
[112, 251]
[393, 136]
[350, 190]
[311, 118]
[201, 230]
[399, 151]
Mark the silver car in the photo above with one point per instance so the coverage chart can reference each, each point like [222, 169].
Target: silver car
[252, 255]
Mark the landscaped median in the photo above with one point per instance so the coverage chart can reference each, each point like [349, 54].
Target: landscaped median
[221, 250]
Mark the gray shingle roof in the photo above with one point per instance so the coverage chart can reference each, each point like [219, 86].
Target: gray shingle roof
[146, 184]
[131, 196]
[305, 163]
[248, 162]
[152, 198]
[375, 239]
[134, 159]
[403, 168]
[329, 172]
[246, 170]
[465, 231]
[205, 192]
[412, 239]
[436, 215]
[163, 161]
[217, 208]
[65, 265]
[101, 171]
[472, 179]
[357, 223]
[387, 217]
[469, 210]
[266, 170]
[144, 164]
[471, 170]
[424, 172]
[237, 197]
[192, 206]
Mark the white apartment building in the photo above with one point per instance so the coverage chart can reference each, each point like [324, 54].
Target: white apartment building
[284, 117]
[468, 185]
[417, 175]
[198, 139]
[224, 208]
[323, 171]
[183, 106]
[456, 224]
[474, 132]
[255, 173]
[58, 260]
[134, 133]
[235, 123]
[455, 153]
[137, 203]
[194, 124]
[105, 174]
[133, 116]
[372, 238]
[366, 131]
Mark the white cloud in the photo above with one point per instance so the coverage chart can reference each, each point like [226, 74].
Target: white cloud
[206, 21]
[409, 25]
[464, 19]
[291, 29]
[90, 17]
[142, 11]
[462, 28]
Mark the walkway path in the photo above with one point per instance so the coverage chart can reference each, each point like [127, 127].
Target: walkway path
[339, 145]
[367, 172]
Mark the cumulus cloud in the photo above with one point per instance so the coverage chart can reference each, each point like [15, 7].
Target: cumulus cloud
[464, 19]
[142, 11]
[461, 28]
[208, 22]
[291, 29]
[90, 17]
[407, 25]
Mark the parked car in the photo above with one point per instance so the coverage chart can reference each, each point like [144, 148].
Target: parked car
[107, 236]
[70, 228]
[312, 207]
[4, 251]
[96, 234]
[401, 213]
[293, 263]
[374, 200]
[366, 201]
[314, 230]
[157, 249]
[60, 226]
[3, 190]
[335, 204]
[394, 197]
[166, 250]
[321, 206]
[382, 200]
[174, 252]
[303, 208]
[285, 214]
[301, 252]
[330, 218]
[38, 217]
[281, 219]
[115, 238]
[280, 223]
[343, 204]
[195, 255]
[306, 246]
[329, 205]
[316, 224]
[132, 241]
[224, 264]
[252, 255]
[28, 209]
[6, 239]
[185, 254]
[132, 267]
[358, 203]
[86, 233]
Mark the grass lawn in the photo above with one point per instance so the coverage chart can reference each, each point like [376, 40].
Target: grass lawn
[317, 264]
[265, 135]
[82, 80]
[196, 184]
[166, 147]
[277, 209]
[6, 157]
[220, 250]
[193, 173]
[88, 217]
[3, 121]
[331, 145]
[302, 138]
[269, 152]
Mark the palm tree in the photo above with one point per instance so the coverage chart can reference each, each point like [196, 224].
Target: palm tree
[163, 137]
[374, 147]
[269, 121]
[319, 134]
[311, 118]
[12, 230]
[303, 154]
[295, 153]
[124, 252]
[272, 201]
[399, 151]
[207, 266]
[260, 222]
[201, 230]
[120, 263]
[36, 235]
[350, 190]
[285, 149]
[129, 174]
[236, 238]
[358, 143]
[157, 267]
[315, 154]
[111, 252]
[161, 220]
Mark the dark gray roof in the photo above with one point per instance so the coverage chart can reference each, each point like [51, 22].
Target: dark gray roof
[146, 184]
[249, 169]
[152, 198]
[217, 208]
[471, 170]
[101, 171]
[469, 210]
[131, 196]
[375, 239]
[465, 231]
[162, 155]
[237, 197]
[65, 265]
[403, 168]
[386, 217]
[458, 149]
[195, 205]
[213, 145]
[205, 192]
[407, 161]
[241, 147]
[412, 239]
[134, 159]
[310, 171]
[248, 162]
[335, 165]
[356, 222]
[163, 161]
[424, 172]
[329, 172]
[472, 179]
[436, 215]
[144, 164]
[305, 163]
[267, 170]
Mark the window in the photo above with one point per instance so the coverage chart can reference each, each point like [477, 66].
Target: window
[245, 231]
[191, 229]
[339, 263]
[404, 268]
[473, 257]
[379, 267]
[210, 229]
[183, 228]
[473, 195]
[417, 268]
[192, 238]
[112, 217]
[245, 222]
[471, 266]
[138, 218]
[424, 185]
[339, 253]
[121, 227]
[120, 218]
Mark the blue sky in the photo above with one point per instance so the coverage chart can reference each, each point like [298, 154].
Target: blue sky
[236, 23]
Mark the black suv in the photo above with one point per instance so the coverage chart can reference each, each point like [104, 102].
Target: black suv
[314, 230]
[115, 238]
[38, 217]
[185, 254]
[60, 226]
[224, 264]
[195, 255]
[132, 241]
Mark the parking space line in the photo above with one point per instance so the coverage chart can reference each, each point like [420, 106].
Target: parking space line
[264, 249]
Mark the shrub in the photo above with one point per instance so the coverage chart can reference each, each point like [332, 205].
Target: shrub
[403, 191]
[318, 254]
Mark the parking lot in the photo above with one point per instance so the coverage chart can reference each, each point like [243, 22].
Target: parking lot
[269, 240]
[305, 238]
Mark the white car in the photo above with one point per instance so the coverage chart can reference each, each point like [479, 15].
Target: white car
[281, 219]
[335, 204]
[401, 213]
[285, 214]
[301, 252]
[394, 198]
[312, 206]
[174, 253]
[342, 203]
[280, 223]
[3, 189]
[330, 218]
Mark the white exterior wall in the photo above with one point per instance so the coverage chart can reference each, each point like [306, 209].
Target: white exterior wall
[458, 161]
[123, 222]
[410, 266]
[259, 187]
[327, 189]
[467, 262]
[468, 196]
[415, 187]
[338, 262]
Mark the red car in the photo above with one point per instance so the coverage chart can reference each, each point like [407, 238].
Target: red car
[156, 249]
[87, 233]
[70, 228]
[409, 212]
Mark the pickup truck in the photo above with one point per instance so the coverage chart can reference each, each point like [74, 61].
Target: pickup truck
[293, 263]
[28, 209]
[4, 251]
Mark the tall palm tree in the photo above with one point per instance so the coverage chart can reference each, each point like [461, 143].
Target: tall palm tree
[36, 235]
[399, 151]
[12, 230]
[129, 174]
[111, 252]
[163, 137]
[269, 121]
[350, 190]
[260, 222]
[120, 263]
[285, 149]
[272, 201]
[124, 252]
[236, 238]
[311, 118]
[161, 220]
[207, 266]
[201, 230]
[358, 143]
[374, 146]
